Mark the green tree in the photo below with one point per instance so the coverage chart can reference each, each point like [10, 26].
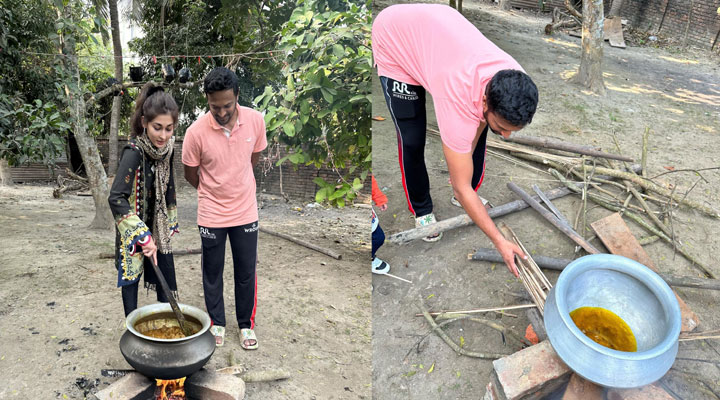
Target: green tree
[322, 110]
[211, 27]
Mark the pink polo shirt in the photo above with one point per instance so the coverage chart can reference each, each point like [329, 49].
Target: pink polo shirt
[226, 192]
[434, 46]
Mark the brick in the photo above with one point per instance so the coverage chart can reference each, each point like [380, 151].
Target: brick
[581, 389]
[132, 386]
[649, 392]
[208, 385]
[531, 373]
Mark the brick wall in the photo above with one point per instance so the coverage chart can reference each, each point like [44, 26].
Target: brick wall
[296, 184]
[668, 18]
[694, 22]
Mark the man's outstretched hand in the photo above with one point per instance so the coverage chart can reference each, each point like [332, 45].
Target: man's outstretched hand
[508, 250]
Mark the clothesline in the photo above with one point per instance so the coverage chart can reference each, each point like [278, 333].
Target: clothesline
[156, 57]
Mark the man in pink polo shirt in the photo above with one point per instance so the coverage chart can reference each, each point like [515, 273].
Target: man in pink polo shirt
[474, 86]
[219, 152]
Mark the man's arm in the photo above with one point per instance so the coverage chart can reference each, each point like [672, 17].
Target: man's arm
[460, 166]
[192, 175]
[254, 159]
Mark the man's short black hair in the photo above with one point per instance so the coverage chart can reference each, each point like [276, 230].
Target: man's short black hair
[513, 96]
[220, 79]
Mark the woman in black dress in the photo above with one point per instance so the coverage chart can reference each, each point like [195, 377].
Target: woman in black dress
[142, 197]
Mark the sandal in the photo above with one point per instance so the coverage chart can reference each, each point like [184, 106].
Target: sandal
[428, 220]
[248, 335]
[219, 333]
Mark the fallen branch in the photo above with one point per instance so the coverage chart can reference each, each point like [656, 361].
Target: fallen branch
[640, 222]
[551, 143]
[465, 220]
[453, 345]
[270, 375]
[649, 212]
[558, 264]
[652, 186]
[301, 242]
[564, 227]
[75, 176]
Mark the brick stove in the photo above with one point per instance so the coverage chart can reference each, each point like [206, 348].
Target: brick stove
[202, 385]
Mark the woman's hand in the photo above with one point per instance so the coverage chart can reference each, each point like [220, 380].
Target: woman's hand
[383, 207]
[508, 250]
[150, 250]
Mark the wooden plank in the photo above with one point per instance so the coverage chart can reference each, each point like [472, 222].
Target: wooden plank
[615, 234]
[613, 32]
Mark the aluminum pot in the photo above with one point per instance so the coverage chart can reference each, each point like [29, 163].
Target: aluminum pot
[167, 358]
[637, 295]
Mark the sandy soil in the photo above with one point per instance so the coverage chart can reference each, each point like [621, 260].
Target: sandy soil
[61, 316]
[674, 93]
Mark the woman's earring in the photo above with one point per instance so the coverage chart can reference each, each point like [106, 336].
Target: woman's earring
[144, 131]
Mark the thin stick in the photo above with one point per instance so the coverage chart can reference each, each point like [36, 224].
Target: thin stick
[528, 271]
[397, 277]
[481, 310]
[650, 213]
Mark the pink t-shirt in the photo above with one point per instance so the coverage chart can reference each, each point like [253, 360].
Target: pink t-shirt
[226, 192]
[434, 46]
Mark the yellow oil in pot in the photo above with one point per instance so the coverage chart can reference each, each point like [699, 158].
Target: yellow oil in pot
[604, 327]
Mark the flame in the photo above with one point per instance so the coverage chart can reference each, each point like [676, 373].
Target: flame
[176, 387]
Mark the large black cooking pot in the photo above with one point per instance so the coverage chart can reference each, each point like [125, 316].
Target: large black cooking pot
[166, 358]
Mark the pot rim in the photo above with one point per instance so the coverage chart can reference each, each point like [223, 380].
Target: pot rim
[156, 308]
[652, 281]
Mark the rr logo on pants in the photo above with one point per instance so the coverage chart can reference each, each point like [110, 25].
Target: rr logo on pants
[399, 87]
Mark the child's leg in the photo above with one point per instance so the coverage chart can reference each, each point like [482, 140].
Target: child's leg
[378, 238]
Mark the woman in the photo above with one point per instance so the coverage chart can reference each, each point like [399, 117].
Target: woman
[142, 197]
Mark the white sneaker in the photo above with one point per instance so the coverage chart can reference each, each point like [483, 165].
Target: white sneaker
[380, 267]
[485, 202]
[428, 220]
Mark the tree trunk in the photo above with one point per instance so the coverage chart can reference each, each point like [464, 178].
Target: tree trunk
[5, 173]
[113, 135]
[615, 8]
[86, 143]
[117, 100]
[590, 73]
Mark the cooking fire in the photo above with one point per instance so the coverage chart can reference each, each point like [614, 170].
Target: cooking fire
[172, 389]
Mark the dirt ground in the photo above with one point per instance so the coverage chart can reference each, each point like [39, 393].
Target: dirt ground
[674, 93]
[61, 315]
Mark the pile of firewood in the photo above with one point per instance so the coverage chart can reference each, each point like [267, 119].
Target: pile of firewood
[70, 183]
